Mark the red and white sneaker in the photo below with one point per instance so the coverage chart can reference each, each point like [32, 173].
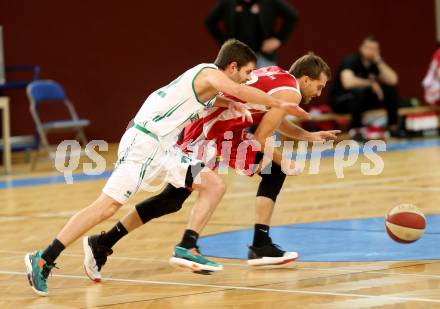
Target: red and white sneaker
[270, 255]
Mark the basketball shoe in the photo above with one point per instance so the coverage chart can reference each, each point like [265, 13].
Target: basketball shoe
[192, 259]
[95, 256]
[269, 254]
[37, 270]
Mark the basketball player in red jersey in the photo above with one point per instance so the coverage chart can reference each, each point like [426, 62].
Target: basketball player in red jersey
[305, 80]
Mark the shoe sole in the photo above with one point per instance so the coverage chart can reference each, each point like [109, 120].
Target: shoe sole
[27, 262]
[184, 263]
[265, 261]
[87, 250]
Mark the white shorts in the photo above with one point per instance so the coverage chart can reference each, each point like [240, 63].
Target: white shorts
[141, 159]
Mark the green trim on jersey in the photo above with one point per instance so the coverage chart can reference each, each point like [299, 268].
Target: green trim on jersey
[143, 130]
[190, 116]
[194, 89]
[144, 169]
[169, 112]
[125, 153]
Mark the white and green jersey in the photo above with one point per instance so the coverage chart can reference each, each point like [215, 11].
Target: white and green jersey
[167, 110]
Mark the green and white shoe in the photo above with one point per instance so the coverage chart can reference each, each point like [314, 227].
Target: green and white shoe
[192, 259]
[37, 270]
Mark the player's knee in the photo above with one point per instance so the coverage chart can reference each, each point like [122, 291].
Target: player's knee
[108, 210]
[218, 186]
[221, 188]
[212, 183]
[271, 184]
[170, 200]
[106, 206]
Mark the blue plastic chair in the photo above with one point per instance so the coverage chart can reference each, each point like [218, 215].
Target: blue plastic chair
[42, 91]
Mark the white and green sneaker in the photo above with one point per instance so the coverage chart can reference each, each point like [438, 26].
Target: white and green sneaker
[37, 270]
[192, 259]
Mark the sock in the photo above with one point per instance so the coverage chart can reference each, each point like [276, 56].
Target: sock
[261, 235]
[53, 251]
[110, 238]
[189, 239]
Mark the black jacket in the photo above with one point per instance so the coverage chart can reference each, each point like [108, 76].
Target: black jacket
[269, 11]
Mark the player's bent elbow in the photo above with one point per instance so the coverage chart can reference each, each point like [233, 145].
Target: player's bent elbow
[210, 183]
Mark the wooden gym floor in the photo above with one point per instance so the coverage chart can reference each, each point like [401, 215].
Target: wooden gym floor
[138, 275]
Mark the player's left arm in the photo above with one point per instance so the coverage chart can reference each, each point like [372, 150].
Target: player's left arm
[293, 131]
[240, 108]
[271, 121]
[275, 119]
[219, 81]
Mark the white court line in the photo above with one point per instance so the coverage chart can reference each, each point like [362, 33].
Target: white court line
[240, 288]
[342, 270]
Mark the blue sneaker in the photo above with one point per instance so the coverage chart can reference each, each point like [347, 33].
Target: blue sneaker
[37, 272]
[192, 259]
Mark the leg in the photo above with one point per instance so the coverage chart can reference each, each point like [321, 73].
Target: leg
[272, 179]
[264, 207]
[170, 200]
[123, 182]
[103, 208]
[211, 189]
[263, 251]
[98, 247]
[40, 263]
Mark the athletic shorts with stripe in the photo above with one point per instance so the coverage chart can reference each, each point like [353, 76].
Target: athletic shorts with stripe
[143, 158]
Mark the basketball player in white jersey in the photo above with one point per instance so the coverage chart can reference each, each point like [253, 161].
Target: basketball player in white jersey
[305, 80]
[147, 151]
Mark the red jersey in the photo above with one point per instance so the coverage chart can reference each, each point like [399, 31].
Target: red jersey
[221, 132]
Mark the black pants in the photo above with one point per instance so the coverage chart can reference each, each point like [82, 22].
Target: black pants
[358, 100]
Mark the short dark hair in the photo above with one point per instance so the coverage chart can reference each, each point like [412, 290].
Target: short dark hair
[234, 51]
[310, 65]
[370, 38]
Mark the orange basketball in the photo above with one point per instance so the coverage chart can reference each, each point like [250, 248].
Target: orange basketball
[405, 223]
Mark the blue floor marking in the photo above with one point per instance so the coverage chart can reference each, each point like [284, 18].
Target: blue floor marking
[36, 181]
[332, 241]
[48, 180]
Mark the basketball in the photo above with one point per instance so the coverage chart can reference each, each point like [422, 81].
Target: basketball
[405, 223]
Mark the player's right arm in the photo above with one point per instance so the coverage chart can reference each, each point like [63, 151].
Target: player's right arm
[222, 83]
[271, 121]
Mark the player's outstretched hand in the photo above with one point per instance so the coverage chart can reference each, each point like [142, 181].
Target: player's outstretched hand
[242, 110]
[294, 109]
[322, 136]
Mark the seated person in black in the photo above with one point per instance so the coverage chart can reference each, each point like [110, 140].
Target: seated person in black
[363, 82]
